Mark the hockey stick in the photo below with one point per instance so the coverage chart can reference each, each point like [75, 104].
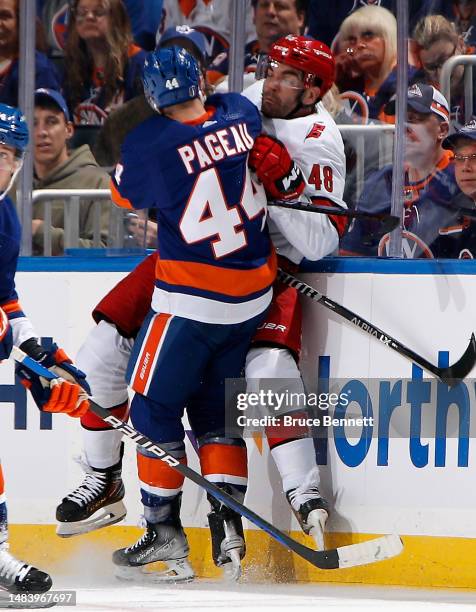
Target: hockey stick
[451, 375]
[387, 222]
[377, 549]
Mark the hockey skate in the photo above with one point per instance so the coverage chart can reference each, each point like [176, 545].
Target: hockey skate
[19, 577]
[166, 542]
[96, 503]
[228, 540]
[311, 511]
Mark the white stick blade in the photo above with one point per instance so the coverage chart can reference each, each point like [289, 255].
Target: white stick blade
[371, 551]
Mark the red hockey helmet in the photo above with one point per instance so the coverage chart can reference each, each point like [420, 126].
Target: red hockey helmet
[312, 57]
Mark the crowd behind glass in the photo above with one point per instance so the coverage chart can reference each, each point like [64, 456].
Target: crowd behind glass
[88, 96]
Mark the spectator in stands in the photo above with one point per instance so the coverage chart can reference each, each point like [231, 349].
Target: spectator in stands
[211, 17]
[462, 239]
[144, 16]
[429, 189]
[58, 168]
[103, 66]
[436, 41]
[273, 19]
[464, 12]
[325, 17]
[460, 12]
[366, 58]
[45, 73]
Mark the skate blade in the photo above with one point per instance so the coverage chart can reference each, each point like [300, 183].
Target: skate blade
[109, 515]
[177, 570]
[317, 522]
[232, 570]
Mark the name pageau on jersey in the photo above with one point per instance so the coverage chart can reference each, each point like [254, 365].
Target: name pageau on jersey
[315, 144]
[217, 263]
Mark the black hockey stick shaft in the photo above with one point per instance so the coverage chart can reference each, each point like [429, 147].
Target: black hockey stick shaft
[388, 222]
[451, 375]
[346, 556]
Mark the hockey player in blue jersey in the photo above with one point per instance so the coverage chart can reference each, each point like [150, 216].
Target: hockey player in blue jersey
[212, 289]
[62, 395]
[276, 345]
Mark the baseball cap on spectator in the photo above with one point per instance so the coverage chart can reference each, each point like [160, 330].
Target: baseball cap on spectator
[424, 99]
[54, 96]
[184, 36]
[468, 131]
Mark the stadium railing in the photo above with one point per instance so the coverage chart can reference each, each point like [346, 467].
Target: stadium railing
[361, 138]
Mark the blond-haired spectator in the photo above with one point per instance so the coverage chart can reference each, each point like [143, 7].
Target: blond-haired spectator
[366, 57]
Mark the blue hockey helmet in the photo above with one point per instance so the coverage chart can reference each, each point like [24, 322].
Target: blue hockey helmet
[13, 128]
[171, 76]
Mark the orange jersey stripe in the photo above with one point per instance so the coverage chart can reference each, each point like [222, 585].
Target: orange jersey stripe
[158, 474]
[223, 459]
[117, 198]
[208, 114]
[231, 282]
[12, 306]
[150, 346]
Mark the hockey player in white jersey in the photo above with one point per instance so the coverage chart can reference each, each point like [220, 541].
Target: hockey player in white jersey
[297, 74]
[317, 148]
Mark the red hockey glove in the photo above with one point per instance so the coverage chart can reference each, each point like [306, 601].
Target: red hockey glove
[281, 177]
[6, 336]
[68, 394]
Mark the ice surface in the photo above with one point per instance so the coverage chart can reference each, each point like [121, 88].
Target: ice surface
[206, 595]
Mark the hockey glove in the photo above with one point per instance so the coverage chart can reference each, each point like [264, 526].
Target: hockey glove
[68, 394]
[281, 177]
[6, 336]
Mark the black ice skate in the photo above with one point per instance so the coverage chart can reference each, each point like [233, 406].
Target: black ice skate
[166, 542]
[19, 577]
[96, 503]
[228, 540]
[311, 510]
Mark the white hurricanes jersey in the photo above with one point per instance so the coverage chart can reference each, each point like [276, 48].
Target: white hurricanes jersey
[212, 17]
[315, 144]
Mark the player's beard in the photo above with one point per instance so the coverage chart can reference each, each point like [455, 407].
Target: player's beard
[273, 107]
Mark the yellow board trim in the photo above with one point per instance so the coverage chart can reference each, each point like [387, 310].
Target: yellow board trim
[425, 562]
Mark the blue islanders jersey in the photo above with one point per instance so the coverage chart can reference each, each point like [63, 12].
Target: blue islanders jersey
[216, 261]
[10, 236]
